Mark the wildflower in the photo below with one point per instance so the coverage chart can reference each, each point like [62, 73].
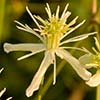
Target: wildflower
[51, 32]
[93, 60]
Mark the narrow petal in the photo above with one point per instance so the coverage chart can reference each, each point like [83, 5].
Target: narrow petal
[2, 92]
[23, 47]
[57, 12]
[30, 54]
[54, 61]
[94, 80]
[48, 10]
[1, 70]
[40, 19]
[77, 66]
[9, 98]
[74, 48]
[78, 38]
[26, 28]
[65, 9]
[39, 75]
[73, 21]
[88, 60]
[67, 14]
[33, 17]
[73, 29]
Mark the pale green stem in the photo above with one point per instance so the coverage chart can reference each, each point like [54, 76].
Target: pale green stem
[2, 14]
[98, 93]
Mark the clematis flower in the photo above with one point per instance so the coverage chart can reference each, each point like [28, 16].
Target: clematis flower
[93, 60]
[51, 32]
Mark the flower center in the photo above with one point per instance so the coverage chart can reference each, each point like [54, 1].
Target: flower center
[53, 30]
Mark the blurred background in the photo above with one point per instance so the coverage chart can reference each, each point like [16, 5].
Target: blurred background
[17, 75]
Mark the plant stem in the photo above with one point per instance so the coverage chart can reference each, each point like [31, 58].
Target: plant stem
[98, 93]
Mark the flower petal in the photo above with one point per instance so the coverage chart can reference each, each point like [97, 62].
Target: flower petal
[78, 38]
[74, 48]
[57, 12]
[73, 21]
[33, 17]
[88, 60]
[1, 70]
[2, 92]
[65, 9]
[23, 47]
[67, 14]
[48, 10]
[30, 54]
[26, 28]
[9, 98]
[39, 75]
[94, 80]
[77, 66]
[73, 29]
[54, 62]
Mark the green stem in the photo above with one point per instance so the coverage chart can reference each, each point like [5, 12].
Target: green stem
[98, 93]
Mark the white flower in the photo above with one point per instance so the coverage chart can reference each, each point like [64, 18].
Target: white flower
[93, 60]
[51, 32]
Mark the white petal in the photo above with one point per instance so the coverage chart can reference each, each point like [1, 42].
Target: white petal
[57, 12]
[77, 66]
[74, 48]
[67, 14]
[1, 70]
[40, 19]
[54, 61]
[23, 47]
[39, 75]
[33, 17]
[94, 80]
[73, 29]
[48, 10]
[2, 92]
[9, 98]
[30, 54]
[87, 60]
[28, 29]
[78, 38]
[65, 9]
[73, 21]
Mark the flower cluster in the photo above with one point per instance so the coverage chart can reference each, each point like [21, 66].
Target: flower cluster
[52, 33]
